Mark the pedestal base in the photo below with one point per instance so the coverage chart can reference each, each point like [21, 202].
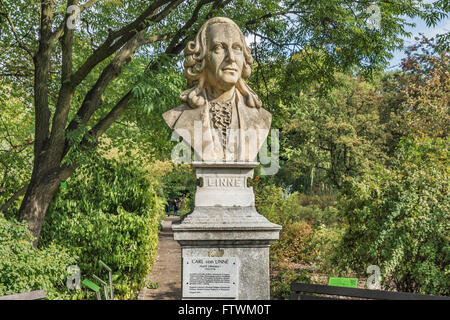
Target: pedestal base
[224, 241]
[227, 232]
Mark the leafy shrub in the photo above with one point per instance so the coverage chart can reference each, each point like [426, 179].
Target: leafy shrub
[24, 268]
[286, 209]
[280, 284]
[271, 204]
[323, 244]
[293, 244]
[399, 219]
[309, 233]
[110, 211]
[322, 201]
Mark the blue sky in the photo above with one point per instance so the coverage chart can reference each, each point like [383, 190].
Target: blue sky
[442, 27]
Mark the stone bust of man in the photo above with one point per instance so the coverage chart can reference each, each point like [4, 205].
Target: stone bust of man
[220, 117]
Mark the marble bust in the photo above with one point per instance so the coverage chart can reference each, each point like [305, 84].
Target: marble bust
[220, 117]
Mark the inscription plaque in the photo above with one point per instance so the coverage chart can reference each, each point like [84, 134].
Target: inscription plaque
[207, 277]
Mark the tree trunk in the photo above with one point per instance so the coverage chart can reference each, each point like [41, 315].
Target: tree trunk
[40, 192]
[35, 203]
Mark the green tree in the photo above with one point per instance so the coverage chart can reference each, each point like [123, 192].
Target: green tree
[399, 219]
[338, 133]
[415, 100]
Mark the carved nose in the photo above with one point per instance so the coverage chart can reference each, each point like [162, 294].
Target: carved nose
[230, 55]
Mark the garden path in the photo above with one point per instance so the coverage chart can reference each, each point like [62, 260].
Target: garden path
[167, 267]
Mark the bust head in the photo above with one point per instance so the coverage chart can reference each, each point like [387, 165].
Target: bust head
[218, 58]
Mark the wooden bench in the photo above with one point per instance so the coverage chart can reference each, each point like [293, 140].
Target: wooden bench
[299, 290]
[32, 295]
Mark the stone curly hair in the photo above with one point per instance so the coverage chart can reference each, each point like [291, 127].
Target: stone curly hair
[194, 64]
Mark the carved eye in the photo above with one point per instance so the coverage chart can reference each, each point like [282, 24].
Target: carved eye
[218, 48]
[237, 48]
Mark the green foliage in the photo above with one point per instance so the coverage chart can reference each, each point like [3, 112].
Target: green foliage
[294, 244]
[24, 268]
[16, 142]
[156, 86]
[338, 134]
[110, 211]
[282, 208]
[310, 226]
[78, 153]
[158, 89]
[399, 219]
[180, 182]
[280, 284]
[415, 100]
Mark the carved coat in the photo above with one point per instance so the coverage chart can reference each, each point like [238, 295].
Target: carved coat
[247, 132]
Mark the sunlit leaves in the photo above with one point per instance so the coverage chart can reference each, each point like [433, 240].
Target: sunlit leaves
[158, 89]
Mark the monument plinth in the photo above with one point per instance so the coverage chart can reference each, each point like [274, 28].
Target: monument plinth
[225, 227]
[224, 241]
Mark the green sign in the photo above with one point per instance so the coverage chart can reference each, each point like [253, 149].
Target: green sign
[90, 285]
[64, 185]
[343, 282]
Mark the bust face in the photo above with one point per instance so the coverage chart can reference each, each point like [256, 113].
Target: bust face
[224, 60]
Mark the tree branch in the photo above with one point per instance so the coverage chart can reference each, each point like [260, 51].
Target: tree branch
[176, 46]
[14, 31]
[280, 45]
[88, 4]
[270, 15]
[92, 100]
[112, 116]
[60, 30]
[14, 197]
[188, 23]
[110, 45]
[66, 91]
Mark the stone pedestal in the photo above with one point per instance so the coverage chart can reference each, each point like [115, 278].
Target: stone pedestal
[225, 242]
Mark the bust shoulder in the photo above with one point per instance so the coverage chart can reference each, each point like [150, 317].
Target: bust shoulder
[171, 116]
